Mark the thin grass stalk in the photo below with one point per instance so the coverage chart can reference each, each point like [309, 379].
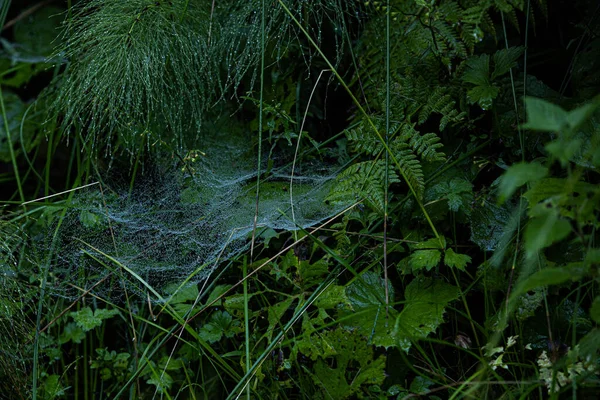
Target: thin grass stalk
[387, 157]
[246, 323]
[291, 187]
[260, 124]
[13, 157]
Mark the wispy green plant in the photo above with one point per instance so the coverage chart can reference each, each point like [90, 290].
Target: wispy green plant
[142, 73]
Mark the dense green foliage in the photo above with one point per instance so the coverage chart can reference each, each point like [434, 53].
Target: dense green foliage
[323, 199]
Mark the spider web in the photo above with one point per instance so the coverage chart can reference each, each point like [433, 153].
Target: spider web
[179, 222]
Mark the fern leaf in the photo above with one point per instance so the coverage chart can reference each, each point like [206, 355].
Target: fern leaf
[364, 181]
[412, 169]
[425, 146]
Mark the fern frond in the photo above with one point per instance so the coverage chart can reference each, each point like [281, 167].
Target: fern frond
[441, 102]
[365, 141]
[425, 146]
[364, 181]
[412, 169]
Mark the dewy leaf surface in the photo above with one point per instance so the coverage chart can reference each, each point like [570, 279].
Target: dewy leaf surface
[367, 310]
[424, 307]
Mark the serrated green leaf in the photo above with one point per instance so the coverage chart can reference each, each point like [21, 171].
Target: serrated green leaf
[87, 319]
[367, 310]
[505, 59]
[455, 260]
[424, 307]
[483, 95]
[276, 312]
[427, 259]
[518, 175]
[220, 324]
[216, 293]
[477, 70]
[420, 385]
[72, 332]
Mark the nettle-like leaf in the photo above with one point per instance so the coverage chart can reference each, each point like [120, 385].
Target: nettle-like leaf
[428, 254]
[478, 73]
[220, 324]
[355, 365]
[458, 192]
[87, 319]
[425, 303]
[367, 309]
[455, 260]
[424, 259]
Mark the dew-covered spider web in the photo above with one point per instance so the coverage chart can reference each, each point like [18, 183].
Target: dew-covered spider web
[178, 223]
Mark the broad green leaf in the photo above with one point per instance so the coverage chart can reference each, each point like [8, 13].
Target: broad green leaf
[544, 116]
[518, 175]
[367, 310]
[72, 332]
[420, 385]
[483, 95]
[544, 277]
[427, 259]
[162, 380]
[87, 319]
[220, 324]
[424, 307]
[505, 59]
[544, 230]
[455, 260]
[477, 70]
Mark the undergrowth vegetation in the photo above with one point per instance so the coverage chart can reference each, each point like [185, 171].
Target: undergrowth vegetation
[325, 199]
